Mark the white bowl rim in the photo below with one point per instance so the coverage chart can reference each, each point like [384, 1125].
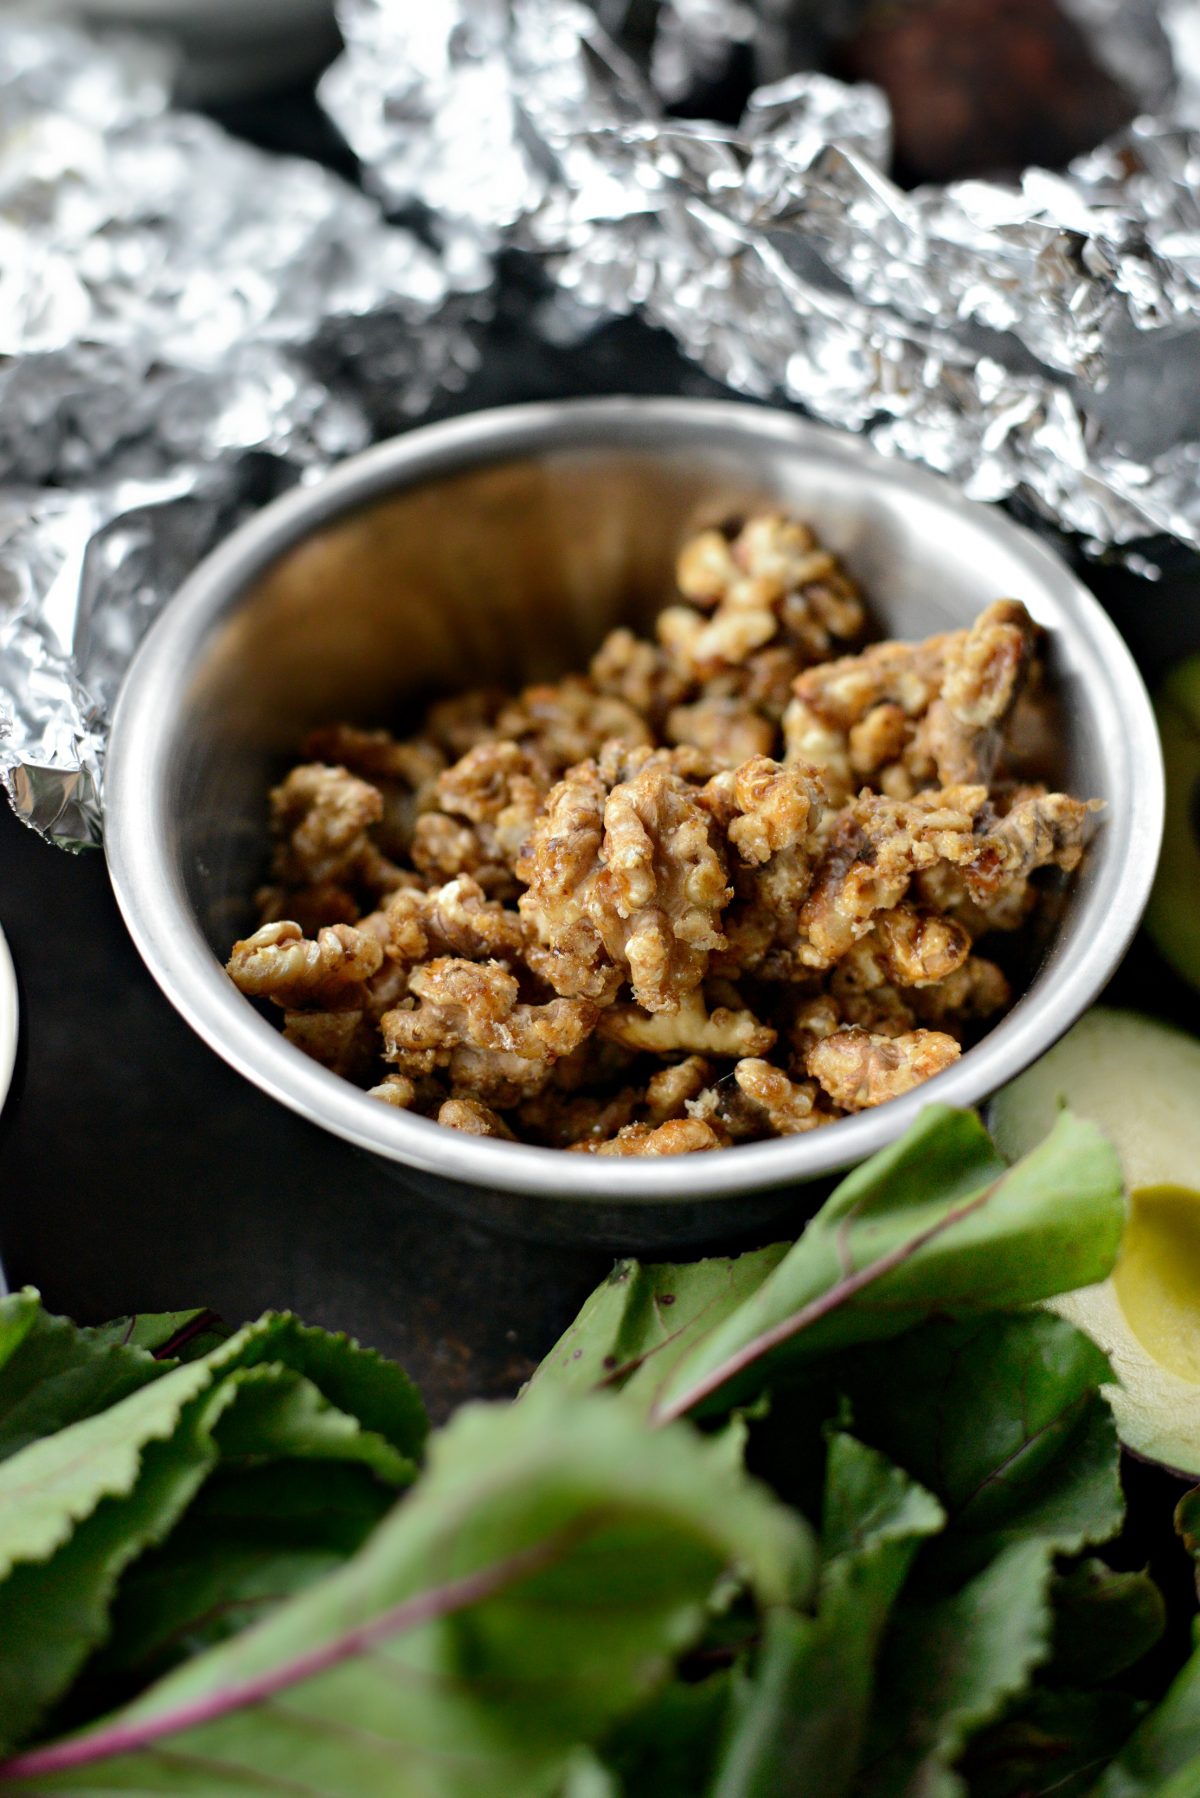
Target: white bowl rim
[151, 897]
[10, 1019]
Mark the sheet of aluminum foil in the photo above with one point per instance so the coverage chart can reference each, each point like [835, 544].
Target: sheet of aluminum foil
[1036, 340]
[187, 325]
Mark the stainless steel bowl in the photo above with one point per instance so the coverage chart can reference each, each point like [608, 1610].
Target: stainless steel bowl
[503, 546]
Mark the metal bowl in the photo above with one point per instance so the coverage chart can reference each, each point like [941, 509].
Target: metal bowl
[504, 546]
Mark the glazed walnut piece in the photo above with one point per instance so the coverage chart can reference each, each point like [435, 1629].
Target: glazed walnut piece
[790, 1107]
[469, 1019]
[985, 672]
[680, 1136]
[881, 844]
[973, 993]
[874, 852]
[457, 919]
[486, 804]
[910, 715]
[403, 772]
[640, 673]
[771, 583]
[473, 1119]
[919, 947]
[625, 881]
[691, 1027]
[859, 1070]
[564, 722]
[1040, 831]
[320, 816]
[771, 815]
[325, 973]
[724, 727]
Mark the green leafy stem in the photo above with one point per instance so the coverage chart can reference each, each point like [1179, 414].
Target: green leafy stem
[424, 1607]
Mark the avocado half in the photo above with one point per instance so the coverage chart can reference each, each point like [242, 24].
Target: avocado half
[1140, 1081]
[1173, 915]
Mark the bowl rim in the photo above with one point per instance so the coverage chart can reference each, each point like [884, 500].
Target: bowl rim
[150, 893]
[10, 1024]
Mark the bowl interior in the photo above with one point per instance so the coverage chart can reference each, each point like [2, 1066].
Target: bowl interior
[513, 573]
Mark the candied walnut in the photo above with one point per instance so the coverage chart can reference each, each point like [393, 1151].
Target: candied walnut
[456, 919]
[404, 773]
[397, 1090]
[882, 1010]
[876, 848]
[669, 1091]
[1007, 909]
[693, 1028]
[976, 990]
[665, 883]
[835, 697]
[878, 738]
[874, 982]
[465, 1004]
[1044, 830]
[985, 670]
[771, 814]
[638, 672]
[568, 721]
[764, 681]
[562, 868]
[776, 808]
[772, 581]
[809, 1023]
[498, 788]
[326, 972]
[790, 1107]
[342, 1041]
[910, 715]
[726, 729]
[705, 569]
[473, 1119]
[444, 847]
[679, 1136]
[726, 1109]
[625, 883]
[500, 1079]
[375, 754]
[919, 947]
[859, 1070]
[701, 647]
[320, 817]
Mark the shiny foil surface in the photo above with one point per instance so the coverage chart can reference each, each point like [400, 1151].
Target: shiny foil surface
[187, 325]
[1035, 340]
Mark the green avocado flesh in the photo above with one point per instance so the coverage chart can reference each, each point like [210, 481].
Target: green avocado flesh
[1140, 1081]
[1157, 1278]
[1173, 916]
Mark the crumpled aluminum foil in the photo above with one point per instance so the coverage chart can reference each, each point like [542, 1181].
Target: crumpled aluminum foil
[1036, 342]
[187, 325]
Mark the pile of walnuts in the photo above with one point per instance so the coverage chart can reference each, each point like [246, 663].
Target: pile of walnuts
[727, 885]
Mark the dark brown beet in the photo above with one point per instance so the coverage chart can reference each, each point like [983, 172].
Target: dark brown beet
[983, 87]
